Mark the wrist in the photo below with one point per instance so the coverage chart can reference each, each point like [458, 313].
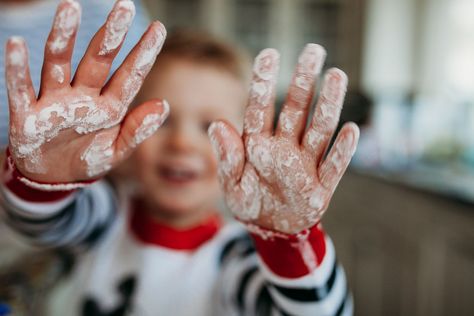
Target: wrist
[290, 255]
[13, 177]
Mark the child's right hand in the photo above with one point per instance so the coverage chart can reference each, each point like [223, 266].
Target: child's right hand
[77, 130]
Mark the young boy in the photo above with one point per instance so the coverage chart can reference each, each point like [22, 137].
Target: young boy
[164, 250]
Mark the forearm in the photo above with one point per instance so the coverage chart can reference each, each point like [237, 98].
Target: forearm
[302, 274]
[281, 278]
[74, 218]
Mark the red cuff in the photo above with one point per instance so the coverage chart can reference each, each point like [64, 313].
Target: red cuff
[18, 184]
[290, 256]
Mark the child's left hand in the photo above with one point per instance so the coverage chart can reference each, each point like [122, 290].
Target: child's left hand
[282, 180]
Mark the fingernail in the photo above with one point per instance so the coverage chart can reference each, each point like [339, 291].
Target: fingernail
[354, 137]
[16, 40]
[266, 64]
[65, 23]
[159, 27]
[335, 85]
[158, 35]
[311, 59]
[17, 53]
[117, 25]
[265, 71]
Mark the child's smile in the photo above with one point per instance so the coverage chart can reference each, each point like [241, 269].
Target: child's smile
[178, 175]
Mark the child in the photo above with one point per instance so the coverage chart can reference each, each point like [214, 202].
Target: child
[165, 251]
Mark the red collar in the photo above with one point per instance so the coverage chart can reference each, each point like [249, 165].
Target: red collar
[148, 231]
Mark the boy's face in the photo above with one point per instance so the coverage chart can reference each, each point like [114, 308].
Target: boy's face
[177, 170]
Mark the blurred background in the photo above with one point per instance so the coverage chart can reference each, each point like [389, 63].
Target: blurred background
[403, 217]
[410, 65]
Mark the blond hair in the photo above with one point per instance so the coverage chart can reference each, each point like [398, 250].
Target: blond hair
[205, 49]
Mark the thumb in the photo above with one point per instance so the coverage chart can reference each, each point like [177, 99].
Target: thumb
[229, 150]
[138, 125]
[333, 167]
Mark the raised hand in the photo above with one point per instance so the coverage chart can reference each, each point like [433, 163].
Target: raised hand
[282, 180]
[76, 130]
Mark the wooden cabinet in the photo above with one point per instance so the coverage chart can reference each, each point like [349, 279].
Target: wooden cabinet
[405, 252]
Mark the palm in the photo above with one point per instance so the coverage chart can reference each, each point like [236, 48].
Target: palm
[280, 179]
[73, 130]
[79, 116]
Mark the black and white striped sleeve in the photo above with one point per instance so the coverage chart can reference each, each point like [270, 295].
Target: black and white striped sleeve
[69, 219]
[249, 285]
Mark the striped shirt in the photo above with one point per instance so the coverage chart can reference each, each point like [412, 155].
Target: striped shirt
[33, 22]
[126, 264]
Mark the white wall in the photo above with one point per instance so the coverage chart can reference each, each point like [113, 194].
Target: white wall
[387, 63]
[421, 45]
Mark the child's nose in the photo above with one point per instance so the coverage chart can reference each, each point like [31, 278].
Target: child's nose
[182, 139]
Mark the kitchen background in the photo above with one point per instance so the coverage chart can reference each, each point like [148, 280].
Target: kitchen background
[402, 218]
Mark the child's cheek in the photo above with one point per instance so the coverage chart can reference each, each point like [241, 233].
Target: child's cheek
[144, 155]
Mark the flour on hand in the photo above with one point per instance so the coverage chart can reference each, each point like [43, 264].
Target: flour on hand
[271, 181]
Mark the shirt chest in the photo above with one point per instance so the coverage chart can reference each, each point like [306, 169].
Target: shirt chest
[149, 278]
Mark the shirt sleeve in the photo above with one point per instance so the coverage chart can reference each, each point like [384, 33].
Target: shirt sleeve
[57, 219]
[276, 274]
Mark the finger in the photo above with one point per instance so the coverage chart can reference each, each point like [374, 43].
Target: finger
[56, 71]
[127, 80]
[141, 123]
[21, 94]
[326, 115]
[292, 120]
[339, 157]
[229, 150]
[94, 67]
[260, 110]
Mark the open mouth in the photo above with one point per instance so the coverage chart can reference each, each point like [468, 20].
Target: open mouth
[177, 175]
